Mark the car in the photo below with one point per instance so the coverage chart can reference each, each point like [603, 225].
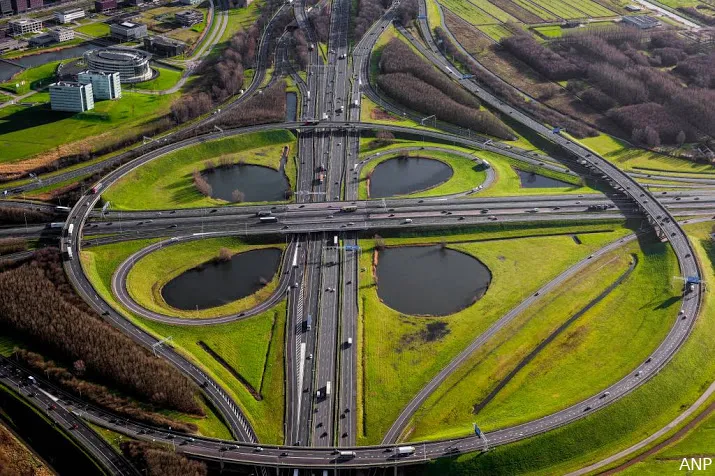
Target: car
[638, 374]
[587, 409]
[329, 216]
[173, 226]
[605, 394]
[484, 210]
[391, 215]
[351, 223]
[258, 449]
[285, 453]
[460, 218]
[213, 211]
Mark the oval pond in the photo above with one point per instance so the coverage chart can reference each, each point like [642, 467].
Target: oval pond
[405, 175]
[257, 183]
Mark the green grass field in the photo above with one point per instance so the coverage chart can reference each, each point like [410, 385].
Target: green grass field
[166, 182]
[623, 423]
[166, 79]
[33, 78]
[595, 351]
[97, 29]
[253, 347]
[27, 131]
[644, 161]
[466, 174]
[394, 371]
[150, 274]
[549, 31]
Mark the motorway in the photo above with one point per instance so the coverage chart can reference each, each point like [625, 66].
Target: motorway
[329, 291]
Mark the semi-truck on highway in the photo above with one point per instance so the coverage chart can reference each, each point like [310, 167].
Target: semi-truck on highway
[405, 450]
[349, 208]
[308, 322]
[96, 188]
[70, 229]
[268, 219]
[327, 389]
[55, 224]
[295, 258]
[68, 254]
[347, 454]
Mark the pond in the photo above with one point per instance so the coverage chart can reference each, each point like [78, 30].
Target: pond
[404, 175]
[291, 106]
[534, 180]
[216, 283]
[429, 280]
[255, 182]
[7, 70]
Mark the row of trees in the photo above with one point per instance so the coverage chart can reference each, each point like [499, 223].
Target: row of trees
[542, 59]
[510, 95]
[369, 11]
[201, 183]
[155, 460]
[428, 100]
[94, 393]
[699, 69]
[398, 57]
[12, 245]
[38, 302]
[698, 15]
[21, 215]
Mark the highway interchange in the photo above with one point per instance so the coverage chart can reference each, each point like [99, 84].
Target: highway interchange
[328, 293]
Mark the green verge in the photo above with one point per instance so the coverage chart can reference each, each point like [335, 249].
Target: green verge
[252, 347]
[594, 351]
[150, 274]
[32, 78]
[27, 131]
[166, 182]
[623, 423]
[393, 371]
[639, 160]
[96, 30]
[466, 173]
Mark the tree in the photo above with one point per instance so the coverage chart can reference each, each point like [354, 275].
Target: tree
[237, 196]
[379, 243]
[652, 138]
[79, 367]
[680, 138]
[224, 254]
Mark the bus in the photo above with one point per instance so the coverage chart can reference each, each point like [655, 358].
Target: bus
[268, 219]
[349, 208]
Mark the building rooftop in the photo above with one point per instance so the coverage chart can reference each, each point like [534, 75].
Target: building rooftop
[68, 84]
[23, 21]
[72, 10]
[641, 21]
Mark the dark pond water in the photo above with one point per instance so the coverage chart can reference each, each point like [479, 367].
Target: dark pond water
[429, 280]
[257, 183]
[7, 70]
[217, 283]
[291, 106]
[403, 175]
[532, 180]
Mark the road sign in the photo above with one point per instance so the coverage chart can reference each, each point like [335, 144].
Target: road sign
[352, 248]
[477, 430]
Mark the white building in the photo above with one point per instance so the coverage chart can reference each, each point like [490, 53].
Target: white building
[71, 97]
[105, 85]
[25, 25]
[69, 15]
[60, 34]
[190, 2]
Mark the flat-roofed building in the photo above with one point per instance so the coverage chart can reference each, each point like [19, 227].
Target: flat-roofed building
[41, 40]
[105, 5]
[60, 34]
[8, 44]
[162, 46]
[25, 25]
[5, 7]
[71, 97]
[644, 22]
[105, 85]
[190, 2]
[189, 17]
[127, 31]
[19, 6]
[69, 15]
[131, 64]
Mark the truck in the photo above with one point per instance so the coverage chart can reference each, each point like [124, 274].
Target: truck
[327, 389]
[308, 322]
[268, 219]
[350, 341]
[264, 213]
[295, 258]
[68, 254]
[335, 240]
[347, 454]
[321, 178]
[96, 188]
[405, 450]
[70, 229]
[349, 208]
[62, 209]
[55, 224]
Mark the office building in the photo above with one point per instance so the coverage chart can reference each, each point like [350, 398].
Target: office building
[69, 15]
[132, 65]
[164, 47]
[71, 97]
[190, 2]
[41, 40]
[127, 31]
[104, 85]
[105, 5]
[5, 7]
[25, 25]
[60, 34]
[189, 17]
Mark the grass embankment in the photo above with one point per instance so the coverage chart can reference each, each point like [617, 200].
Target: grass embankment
[32, 78]
[623, 423]
[167, 78]
[398, 361]
[643, 161]
[467, 174]
[252, 347]
[27, 131]
[166, 182]
[595, 350]
[150, 274]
